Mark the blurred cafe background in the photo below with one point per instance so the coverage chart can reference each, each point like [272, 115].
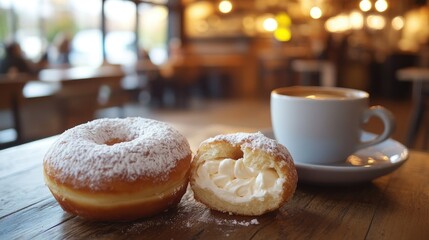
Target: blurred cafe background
[65, 62]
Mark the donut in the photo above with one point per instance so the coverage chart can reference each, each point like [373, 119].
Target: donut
[243, 173]
[118, 169]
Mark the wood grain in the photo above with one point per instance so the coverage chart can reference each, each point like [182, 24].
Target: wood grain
[22, 190]
[395, 206]
[403, 212]
[23, 157]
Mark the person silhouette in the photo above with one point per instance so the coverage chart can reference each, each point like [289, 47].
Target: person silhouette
[14, 61]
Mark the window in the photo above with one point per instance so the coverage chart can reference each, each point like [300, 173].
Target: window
[153, 31]
[39, 23]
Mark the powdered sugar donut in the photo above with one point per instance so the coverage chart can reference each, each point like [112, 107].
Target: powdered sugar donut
[243, 173]
[118, 169]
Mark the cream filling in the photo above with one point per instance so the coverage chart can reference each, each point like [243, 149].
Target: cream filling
[233, 181]
[109, 200]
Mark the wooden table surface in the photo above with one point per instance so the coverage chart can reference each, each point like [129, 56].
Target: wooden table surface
[413, 74]
[395, 206]
[80, 73]
[420, 78]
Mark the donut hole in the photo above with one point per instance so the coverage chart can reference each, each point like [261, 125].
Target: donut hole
[113, 141]
[112, 135]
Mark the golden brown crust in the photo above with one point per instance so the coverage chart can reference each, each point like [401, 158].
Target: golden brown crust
[160, 196]
[122, 213]
[259, 158]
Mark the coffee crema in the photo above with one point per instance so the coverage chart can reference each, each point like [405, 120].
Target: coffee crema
[318, 94]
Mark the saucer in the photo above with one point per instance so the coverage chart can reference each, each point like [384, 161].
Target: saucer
[362, 166]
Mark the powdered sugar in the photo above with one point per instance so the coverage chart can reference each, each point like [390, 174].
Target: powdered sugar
[191, 214]
[237, 222]
[147, 148]
[254, 141]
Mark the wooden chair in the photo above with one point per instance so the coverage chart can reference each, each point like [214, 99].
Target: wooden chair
[77, 101]
[10, 97]
[185, 77]
[111, 94]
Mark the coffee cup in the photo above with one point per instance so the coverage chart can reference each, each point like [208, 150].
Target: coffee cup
[323, 125]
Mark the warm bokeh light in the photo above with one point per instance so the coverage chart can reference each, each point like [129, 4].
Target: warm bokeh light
[330, 25]
[282, 34]
[225, 6]
[376, 22]
[283, 20]
[365, 5]
[248, 25]
[202, 26]
[270, 24]
[381, 5]
[315, 12]
[199, 10]
[339, 23]
[356, 20]
[398, 23]
[415, 31]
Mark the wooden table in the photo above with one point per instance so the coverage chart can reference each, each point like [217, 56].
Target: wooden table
[83, 90]
[80, 73]
[395, 206]
[326, 69]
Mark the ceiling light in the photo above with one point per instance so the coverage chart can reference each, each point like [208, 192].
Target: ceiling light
[365, 5]
[381, 5]
[270, 24]
[376, 22]
[356, 20]
[225, 6]
[282, 34]
[398, 23]
[315, 12]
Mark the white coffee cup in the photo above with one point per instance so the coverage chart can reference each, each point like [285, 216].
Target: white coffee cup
[323, 125]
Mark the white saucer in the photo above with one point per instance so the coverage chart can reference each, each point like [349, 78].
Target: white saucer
[363, 166]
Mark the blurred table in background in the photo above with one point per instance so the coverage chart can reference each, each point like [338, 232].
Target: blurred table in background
[275, 67]
[83, 90]
[221, 74]
[57, 99]
[209, 76]
[80, 73]
[420, 78]
[325, 70]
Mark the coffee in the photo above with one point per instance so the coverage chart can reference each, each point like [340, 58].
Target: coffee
[315, 95]
[320, 94]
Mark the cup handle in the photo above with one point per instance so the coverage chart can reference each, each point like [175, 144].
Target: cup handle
[388, 121]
